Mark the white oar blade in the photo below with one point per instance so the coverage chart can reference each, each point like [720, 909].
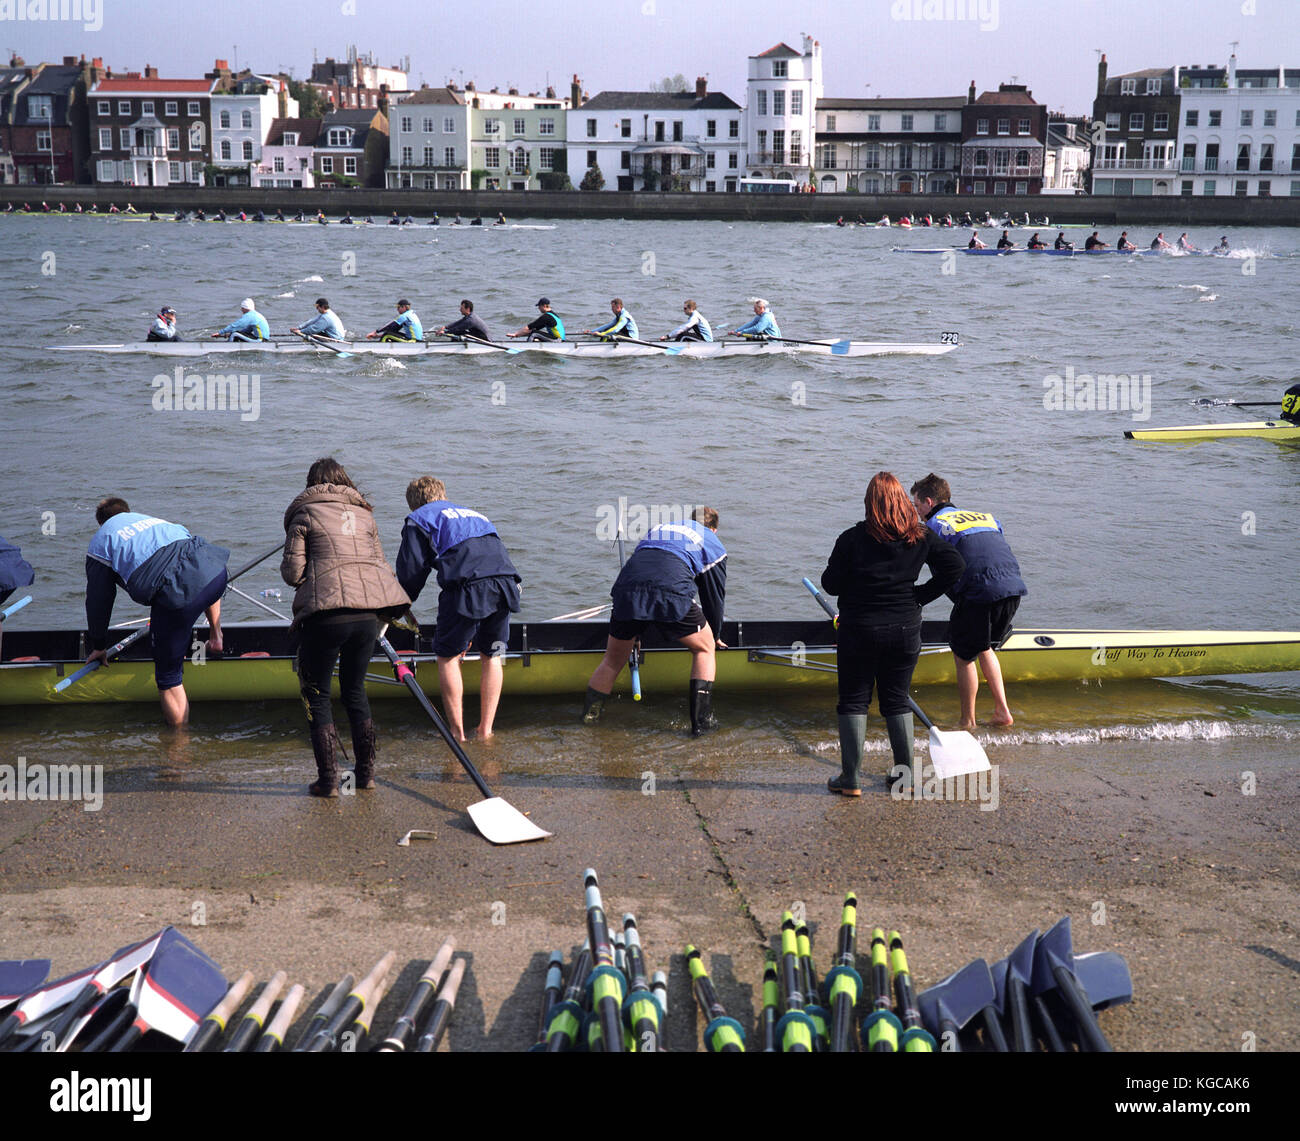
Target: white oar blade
[502, 823]
[955, 754]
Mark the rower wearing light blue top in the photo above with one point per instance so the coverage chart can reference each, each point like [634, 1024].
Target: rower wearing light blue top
[694, 328]
[404, 327]
[761, 325]
[622, 324]
[251, 325]
[326, 323]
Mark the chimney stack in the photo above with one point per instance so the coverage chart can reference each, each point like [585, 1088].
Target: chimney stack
[1101, 75]
[150, 72]
[970, 98]
[575, 93]
[701, 87]
[550, 93]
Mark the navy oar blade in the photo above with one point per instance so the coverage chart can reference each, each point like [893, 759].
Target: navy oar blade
[1011, 978]
[1105, 977]
[21, 976]
[176, 989]
[949, 1005]
[1054, 971]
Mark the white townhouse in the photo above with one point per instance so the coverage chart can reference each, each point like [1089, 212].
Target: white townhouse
[428, 141]
[784, 89]
[517, 142]
[241, 121]
[1239, 131]
[1067, 157]
[658, 140]
[287, 154]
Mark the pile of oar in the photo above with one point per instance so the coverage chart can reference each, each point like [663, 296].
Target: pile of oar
[1041, 993]
[611, 1003]
[164, 988]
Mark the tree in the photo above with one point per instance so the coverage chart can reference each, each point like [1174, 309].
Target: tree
[593, 179]
[311, 103]
[671, 83]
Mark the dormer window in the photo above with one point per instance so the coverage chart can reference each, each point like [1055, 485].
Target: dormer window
[1128, 86]
[780, 68]
[340, 137]
[1153, 86]
[291, 138]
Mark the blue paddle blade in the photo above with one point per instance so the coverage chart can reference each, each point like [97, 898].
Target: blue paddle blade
[958, 998]
[1018, 965]
[840, 348]
[673, 350]
[180, 986]
[1105, 978]
[21, 976]
[1056, 948]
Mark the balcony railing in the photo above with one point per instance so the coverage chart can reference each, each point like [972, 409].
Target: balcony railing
[149, 152]
[1135, 164]
[780, 158]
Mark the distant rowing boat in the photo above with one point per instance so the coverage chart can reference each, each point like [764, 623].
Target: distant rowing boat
[556, 658]
[596, 349]
[1279, 430]
[993, 251]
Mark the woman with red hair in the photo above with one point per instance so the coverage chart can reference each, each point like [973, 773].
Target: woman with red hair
[873, 571]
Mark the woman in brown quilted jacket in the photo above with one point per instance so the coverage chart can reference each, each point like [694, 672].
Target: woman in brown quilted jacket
[344, 587]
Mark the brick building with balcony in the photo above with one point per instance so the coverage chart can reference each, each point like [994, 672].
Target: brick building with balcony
[1133, 148]
[46, 125]
[889, 146]
[1003, 140]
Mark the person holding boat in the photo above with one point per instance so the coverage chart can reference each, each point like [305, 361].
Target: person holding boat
[984, 601]
[676, 579]
[547, 327]
[15, 571]
[622, 324]
[405, 327]
[250, 326]
[467, 325]
[478, 591]
[344, 588]
[694, 328]
[160, 565]
[325, 324]
[164, 326]
[873, 570]
[761, 326]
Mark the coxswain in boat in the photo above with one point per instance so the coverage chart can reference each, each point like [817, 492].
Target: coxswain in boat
[761, 326]
[478, 591]
[1095, 243]
[621, 325]
[346, 220]
[1037, 243]
[1290, 409]
[131, 209]
[435, 220]
[985, 599]
[547, 327]
[1061, 243]
[15, 571]
[676, 579]
[1005, 242]
[1159, 243]
[1185, 245]
[164, 326]
[1222, 247]
[467, 325]
[975, 243]
[325, 324]
[321, 219]
[161, 565]
[694, 328]
[249, 326]
[404, 327]
[1124, 244]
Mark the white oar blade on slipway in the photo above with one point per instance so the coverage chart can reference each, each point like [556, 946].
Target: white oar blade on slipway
[503, 823]
[954, 754]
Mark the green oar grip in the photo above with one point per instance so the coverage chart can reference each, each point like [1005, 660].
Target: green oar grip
[842, 980]
[795, 1033]
[724, 1036]
[606, 982]
[881, 1031]
[919, 1041]
[563, 1025]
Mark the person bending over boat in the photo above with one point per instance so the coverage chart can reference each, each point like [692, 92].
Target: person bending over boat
[404, 327]
[15, 571]
[467, 325]
[1094, 242]
[1290, 409]
[622, 324]
[160, 565]
[873, 570]
[761, 326]
[547, 327]
[346, 219]
[326, 323]
[250, 326]
[1186, 246]
[694, 328]
[164, 326]
[1037, 243]
[975, 243]
[1061, 243]
[1124, 244]
[984, 601]
[676, 579]
[344, 586]
[478, 591]
[1005, 242]
[260, 216]
[1159, 243]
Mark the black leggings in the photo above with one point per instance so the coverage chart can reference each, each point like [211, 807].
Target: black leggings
[877, 655]
[345, 637]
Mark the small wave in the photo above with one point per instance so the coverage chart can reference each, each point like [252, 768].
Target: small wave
[1194, 730]
[1198, 288]
[289, 294]
[1208, 297]
[383, 366]
[314, 277]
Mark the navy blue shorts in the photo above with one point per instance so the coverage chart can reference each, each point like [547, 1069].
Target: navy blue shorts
[454, 634]
[978, 626]
[628, 629]
[170, 632]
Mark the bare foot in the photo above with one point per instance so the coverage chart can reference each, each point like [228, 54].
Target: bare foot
[967, 726]
[998, 721]
[479, 735]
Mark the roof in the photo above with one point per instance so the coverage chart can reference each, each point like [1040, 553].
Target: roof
[54, 80]
[142, 86]
[307, 130]
[778, 51]
[442, 96]
[1007, 99]
[945, 101]
[659, 101]
[359, 120]
[1113, 81]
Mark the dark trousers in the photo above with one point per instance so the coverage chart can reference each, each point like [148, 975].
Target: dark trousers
[347, 638]
[877, 656]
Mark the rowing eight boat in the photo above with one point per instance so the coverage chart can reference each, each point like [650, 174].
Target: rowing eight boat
[1190, 433]
[597, 349]
[557, 658]
[993, 251]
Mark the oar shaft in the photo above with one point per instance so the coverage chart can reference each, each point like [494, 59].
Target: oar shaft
[250, 1027]
[14, 607]
[325, 1012]
[607, 981]
[404, 1029]
[351, 1007]
[441, 1015]
[273, 1039]
[214, 1025]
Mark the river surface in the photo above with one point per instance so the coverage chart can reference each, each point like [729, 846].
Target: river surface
[1109, 533]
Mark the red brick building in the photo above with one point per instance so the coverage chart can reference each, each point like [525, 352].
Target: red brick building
[1003, 140]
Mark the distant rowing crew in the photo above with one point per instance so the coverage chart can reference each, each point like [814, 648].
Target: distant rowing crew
[1094, 242]
[243, 216]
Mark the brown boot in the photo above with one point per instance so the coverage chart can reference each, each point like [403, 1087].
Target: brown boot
[363, 751]
[324, 738]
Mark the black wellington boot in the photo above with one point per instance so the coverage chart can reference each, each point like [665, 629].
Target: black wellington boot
[364, 750]
[324, 738]
[702, 719]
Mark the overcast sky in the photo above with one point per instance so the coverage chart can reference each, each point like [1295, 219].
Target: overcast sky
[867, 49]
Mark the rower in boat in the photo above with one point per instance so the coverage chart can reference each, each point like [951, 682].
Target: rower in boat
[1094, 242]
[975, 243]
[153, 217]
[325, 324]
[346, 220]
[1290, 407]
[405, 327]
[161, 565]
[199, 215]
[1037, 243]
[1159, 243]
[467, 325]
[112, 208]
[622, 324]
[249, 326]
[501, 219]
[243, 217]
[179, 216]
[1005, 242]
[967, 221]
[279, 215]
[761, 326]
[259, 217]
[219, 216]
[299, 217]
[435, 220]
[477, 222]
[394, 220]
[884, 220]
[131, 209]
[478, 590]
[456, 221]
[407, 221]
[840, 221]
[94, 208]
[861, 221]
[164, 326]
[1124, 245]
[1185, 244]
[77, 208]
[1222, 247]
[15, 571]
[321, 219]
[547, 327]
[694, 328]
[676, 579]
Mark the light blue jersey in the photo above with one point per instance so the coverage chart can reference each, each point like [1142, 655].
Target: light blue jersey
[621, 326]
[760, 326]
[325, 324]
[251, 326]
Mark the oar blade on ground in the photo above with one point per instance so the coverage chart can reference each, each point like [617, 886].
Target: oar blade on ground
[177, 988]
[1105, 978]
[502, 823]
[949, 1005]
[21, 976]
[956, 753]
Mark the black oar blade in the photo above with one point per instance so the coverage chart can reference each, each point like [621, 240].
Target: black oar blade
[1105, 978]
[949, 1005]
[1054, 971]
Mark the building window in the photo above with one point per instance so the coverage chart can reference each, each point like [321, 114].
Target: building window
[1295, 188]
[192, 107]
[104, 107]
[677, 130]
[939, 157]
[686, 162]
[1112, 120]
[981, 126]
[1022, 188]
[1265, 156]
[659, 131]
[520, 159]
[246, 120]
[173, 172]
[762, 102]
[625, 160]
[521, 128]
[408, 156]
[1187, 188]
[546, 158]
[796, 102]
[350, 164]
[710, 160]
[625, 128]
[732, 163]
[941, 122]
[907, 122]
[1024, 127]
[1241, 188]
[829, 155]
[591, 128]
[408, 124]
[1265, 188]
[277, 164]
[105, 138]
[340, 137]
[106, 173]
[980, 187]
[710, 187]
[248, 150]
[830, 122]
[290, 139]
[1136, 122]
[1001, 161]
[873, 123]
[591, 159]
[778, 147]
[733, 127]
[796, 148]
[224, 122]
[546, 126]
[196, 172]
[448, 156]
[448, 125]
[124, 139]
[778, 104]
[225, 150]
[1160, 121]
[493, 126]
[999, 188]
[173, 138]
[871, 157]
[124, 106]
[326, 165]
[426, 125]
[1004, 126]
[1154, 86]
[762, 147]
[1215, 119]
[1207, 190]
[1128, 86]
[43, 141]
[492, 158]
[711, 129]
[1211, 156]
[171, 106]
[1243, 156]
[1270, 118]
[780, 68]
[1022, 160]
[1193, 119]
[1248, 118]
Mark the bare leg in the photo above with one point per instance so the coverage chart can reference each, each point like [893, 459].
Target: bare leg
[491, 678]
[704, 661]
[453, 690]
[992, 670]
[968, 684]
[175, 705]
[214, 622]
[617, 652]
